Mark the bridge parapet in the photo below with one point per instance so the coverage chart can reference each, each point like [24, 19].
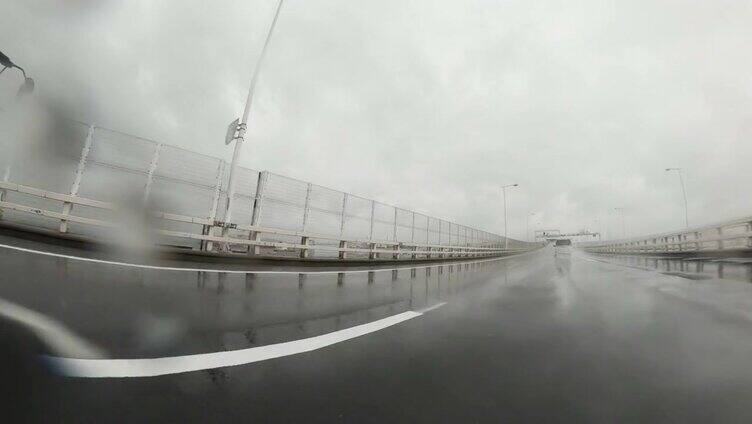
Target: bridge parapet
[85, 190]
[732, 235]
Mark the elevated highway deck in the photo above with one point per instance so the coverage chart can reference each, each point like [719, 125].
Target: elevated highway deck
[533, 337]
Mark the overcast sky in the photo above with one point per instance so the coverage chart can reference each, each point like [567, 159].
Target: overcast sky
[426, 104]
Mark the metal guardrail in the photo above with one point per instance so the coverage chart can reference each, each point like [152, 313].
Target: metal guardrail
[724, 236]
[274, 213]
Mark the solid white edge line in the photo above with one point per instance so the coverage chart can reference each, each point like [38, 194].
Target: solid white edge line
[228, 271]
[152, 367]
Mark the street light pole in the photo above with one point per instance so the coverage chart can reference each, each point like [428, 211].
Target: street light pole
[504, 195]
[684, 192]
[243, 124]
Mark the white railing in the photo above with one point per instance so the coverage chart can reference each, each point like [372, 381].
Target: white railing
[724, 236]
[83, 194]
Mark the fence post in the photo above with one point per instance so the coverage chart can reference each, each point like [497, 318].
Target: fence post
[343, 243]
[467, 242]
[394, 237]
[304, 253]
[258, 203]
[396, 246]
[209, 229]
[371, 244]
[67, 206]
[440, 237]
[697, 240]
[150, 174]
[412, 237]
[6, 177]
[449, 243]
[412, 232]
[720, 234]
[428, 237]
[450, 249]
[307, 206]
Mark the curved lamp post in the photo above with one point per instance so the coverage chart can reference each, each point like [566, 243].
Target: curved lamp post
[238, 127]
[684, 192]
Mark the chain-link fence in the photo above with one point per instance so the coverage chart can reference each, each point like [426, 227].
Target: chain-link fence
[121, 169]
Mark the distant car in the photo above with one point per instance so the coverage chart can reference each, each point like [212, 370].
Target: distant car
[563, 247]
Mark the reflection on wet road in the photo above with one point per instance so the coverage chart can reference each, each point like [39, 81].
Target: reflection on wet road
[148, 313]
[692, 267]
[534, 337]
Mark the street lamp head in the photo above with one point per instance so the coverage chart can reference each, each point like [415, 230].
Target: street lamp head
[28, 85]
[5, 61]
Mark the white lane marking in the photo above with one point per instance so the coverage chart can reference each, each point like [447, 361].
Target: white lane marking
[152, 367]
[228, 271]
[55, 335]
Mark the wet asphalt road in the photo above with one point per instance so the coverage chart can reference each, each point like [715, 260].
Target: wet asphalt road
[534, 338]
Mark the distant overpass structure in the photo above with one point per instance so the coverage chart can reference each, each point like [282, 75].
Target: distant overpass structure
[553, 235]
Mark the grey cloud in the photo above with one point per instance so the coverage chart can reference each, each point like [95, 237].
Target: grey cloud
[430, 105]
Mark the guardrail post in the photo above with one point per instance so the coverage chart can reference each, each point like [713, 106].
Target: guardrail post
[209, 229]
[67, 206]
[304, 252]
[342, 253]
[6, 177]
[257, 208]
